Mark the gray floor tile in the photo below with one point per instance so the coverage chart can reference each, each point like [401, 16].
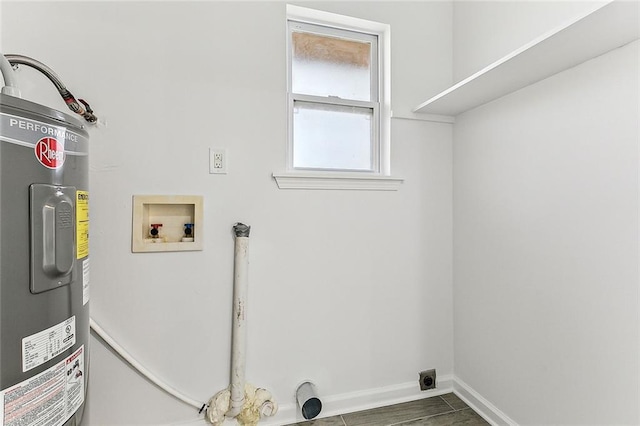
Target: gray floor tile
[397, 413]
[466, 417]
[329, 421]
[454, 401]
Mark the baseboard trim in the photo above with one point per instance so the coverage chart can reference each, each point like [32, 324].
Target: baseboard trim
[481, 405]
[333, 405]
[350, 402]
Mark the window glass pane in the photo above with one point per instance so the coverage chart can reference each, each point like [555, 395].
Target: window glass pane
[331, 66]
[332, 137]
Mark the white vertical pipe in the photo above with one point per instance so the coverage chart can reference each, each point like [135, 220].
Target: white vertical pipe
[10, 85]
[239, 331]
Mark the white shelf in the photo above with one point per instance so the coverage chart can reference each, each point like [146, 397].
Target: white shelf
[595, 33]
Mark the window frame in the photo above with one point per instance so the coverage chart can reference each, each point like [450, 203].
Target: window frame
[342, 179]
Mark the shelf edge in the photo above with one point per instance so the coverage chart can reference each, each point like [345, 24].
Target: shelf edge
[421, 108]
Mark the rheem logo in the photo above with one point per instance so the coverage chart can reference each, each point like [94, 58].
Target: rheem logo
[50, 153]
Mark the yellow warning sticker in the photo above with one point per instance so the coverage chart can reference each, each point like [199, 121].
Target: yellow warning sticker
[82, 224]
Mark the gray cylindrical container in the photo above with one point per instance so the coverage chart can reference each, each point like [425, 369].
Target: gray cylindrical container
[308, 400]
[44, 265]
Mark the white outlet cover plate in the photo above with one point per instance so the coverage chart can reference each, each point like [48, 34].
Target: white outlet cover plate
[218, 157]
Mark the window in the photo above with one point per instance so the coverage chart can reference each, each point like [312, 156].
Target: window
[338, 94]
[333, 99]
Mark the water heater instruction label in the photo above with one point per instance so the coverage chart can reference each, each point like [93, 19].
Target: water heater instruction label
[85, 282]
[47, 344]
[82, 224]
[47, 399]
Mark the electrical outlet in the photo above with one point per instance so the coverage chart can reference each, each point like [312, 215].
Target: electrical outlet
[218, 160]
[428, 379]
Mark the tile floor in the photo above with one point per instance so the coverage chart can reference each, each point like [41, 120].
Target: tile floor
[444, 410]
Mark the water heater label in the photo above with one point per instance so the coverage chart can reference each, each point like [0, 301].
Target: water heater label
[46, 399]
[24, 127]
[50, 152]
[82, 224]
[51, 144]
[47, 344]
[85, 282]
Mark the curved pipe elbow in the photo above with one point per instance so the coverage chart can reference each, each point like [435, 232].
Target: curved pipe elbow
[48, 72]
[10, 84]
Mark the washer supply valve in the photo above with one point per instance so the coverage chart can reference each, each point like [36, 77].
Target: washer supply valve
[188, 233]
[155, 230]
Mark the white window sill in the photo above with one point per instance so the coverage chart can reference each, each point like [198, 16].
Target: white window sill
[350, 181]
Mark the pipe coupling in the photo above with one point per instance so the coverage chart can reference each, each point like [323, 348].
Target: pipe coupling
[241, 230]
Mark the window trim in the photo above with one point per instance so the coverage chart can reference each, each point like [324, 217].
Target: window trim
[337, 180]
[383, 175]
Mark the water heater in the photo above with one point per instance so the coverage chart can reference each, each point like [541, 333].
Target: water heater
[44, 265]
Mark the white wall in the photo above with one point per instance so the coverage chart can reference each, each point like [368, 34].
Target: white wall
[546, 247]
[485, 31]
[350, 289]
